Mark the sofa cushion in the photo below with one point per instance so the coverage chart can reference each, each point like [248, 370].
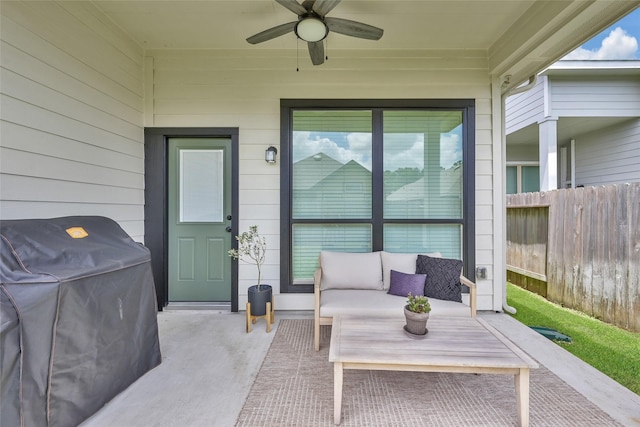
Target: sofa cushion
[403, 284]
[443, 277]
[347, 270]
[335, 302]
[404, 263]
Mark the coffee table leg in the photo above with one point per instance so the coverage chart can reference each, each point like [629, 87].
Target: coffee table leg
[522, 396]
[337, 392]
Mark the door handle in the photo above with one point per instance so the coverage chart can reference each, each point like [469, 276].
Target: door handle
[229, 230]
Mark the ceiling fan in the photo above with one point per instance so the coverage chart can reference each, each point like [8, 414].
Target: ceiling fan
[313, 26]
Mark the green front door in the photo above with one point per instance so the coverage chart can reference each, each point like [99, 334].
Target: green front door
[199, 219]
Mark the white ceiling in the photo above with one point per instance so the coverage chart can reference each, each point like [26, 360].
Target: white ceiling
[224, 24]
[517, 37]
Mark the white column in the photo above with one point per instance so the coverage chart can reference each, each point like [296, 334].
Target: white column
[548, 149]
[498, 274]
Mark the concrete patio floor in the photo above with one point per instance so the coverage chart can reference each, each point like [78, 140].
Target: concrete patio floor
[209, 364]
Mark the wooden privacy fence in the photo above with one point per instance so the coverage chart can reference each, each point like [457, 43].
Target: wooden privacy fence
[579, 248]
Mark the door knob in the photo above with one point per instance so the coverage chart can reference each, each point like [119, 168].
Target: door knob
[229, 217]
[229, 230]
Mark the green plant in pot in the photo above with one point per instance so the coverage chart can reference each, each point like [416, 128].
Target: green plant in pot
[416, 313]
[252, 249]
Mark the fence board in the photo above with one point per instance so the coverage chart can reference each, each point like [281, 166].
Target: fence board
[599, 296]
[621, 255]
[608, 269]
[568, 256]
[586, 263]
[556, 261]
[587, 246]
[633, 303]
[576, 275]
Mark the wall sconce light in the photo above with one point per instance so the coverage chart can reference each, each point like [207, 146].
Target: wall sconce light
[270, 154]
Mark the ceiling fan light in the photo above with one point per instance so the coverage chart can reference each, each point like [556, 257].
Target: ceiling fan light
[311, 29]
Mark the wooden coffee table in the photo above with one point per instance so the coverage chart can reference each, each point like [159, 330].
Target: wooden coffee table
[453, 344]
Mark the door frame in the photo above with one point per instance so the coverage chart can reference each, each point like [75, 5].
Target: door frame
[156, 200]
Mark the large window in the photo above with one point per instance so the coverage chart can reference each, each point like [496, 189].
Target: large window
[368, 175]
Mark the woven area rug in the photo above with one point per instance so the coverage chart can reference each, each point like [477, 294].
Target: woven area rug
[295, 388]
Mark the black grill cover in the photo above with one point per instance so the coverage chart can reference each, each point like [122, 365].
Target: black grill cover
[77, 318]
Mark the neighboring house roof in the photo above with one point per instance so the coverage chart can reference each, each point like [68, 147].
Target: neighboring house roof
[601, 68]
[311, 170]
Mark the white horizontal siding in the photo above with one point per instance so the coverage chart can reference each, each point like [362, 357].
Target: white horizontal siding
[240, 89]
[21, 188]
[23, 138]
[486, 254]
[71, 117]
[125, 215]
[52, 22]
[609, 156]
[525, 108]
[594, 97]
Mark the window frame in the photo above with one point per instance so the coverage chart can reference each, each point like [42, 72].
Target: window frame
[377, 106]
[519, 165]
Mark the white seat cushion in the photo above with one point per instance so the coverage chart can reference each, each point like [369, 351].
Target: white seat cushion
[379, 303]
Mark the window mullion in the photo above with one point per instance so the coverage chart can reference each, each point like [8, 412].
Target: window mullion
[377, 199]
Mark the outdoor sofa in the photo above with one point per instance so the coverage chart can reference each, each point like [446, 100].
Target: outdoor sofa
[376, 284]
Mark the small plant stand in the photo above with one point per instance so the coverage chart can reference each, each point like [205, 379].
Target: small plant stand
[269, 316]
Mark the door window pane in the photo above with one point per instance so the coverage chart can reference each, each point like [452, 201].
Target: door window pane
[331, 164]
[310, 239]
[422, 164]
[414, 238]
[201, 185]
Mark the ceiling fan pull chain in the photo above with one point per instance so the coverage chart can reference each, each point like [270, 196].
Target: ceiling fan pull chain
[297, 54]
[326, 48]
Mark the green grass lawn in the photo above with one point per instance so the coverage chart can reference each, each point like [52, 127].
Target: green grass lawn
[611, 350]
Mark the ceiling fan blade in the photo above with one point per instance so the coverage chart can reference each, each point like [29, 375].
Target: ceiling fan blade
[316, 52]
[293, 6]
[353, 28]
[308, 5]
[322, 7]
[272, 33]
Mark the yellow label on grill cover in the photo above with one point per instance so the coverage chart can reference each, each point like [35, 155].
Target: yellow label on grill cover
[77, 232]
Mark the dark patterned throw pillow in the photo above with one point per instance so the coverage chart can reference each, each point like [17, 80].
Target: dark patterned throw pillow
[443, 277]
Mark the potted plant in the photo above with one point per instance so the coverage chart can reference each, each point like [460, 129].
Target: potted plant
[252, 249]
[416, 313]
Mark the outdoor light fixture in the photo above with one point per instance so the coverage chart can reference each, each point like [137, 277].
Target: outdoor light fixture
[270, 154]
[311, 29]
